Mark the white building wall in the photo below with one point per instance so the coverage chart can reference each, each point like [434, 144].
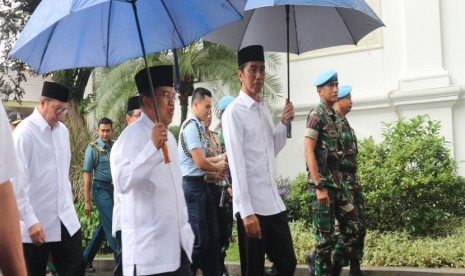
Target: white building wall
[418, 68]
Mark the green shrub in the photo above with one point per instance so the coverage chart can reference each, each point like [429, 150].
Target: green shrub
[303, 239]
[397, 248]
[175, 130]
[409, 179]
[403, 249]
[296, 197]
[88, 223]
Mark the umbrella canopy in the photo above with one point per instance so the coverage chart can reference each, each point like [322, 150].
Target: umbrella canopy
[314, 24]
[298, 26]
[88, 33]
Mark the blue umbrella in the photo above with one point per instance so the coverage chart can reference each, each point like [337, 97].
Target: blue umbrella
[88, 33]
[310, 25]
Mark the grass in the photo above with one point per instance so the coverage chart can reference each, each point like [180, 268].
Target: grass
[388, 249]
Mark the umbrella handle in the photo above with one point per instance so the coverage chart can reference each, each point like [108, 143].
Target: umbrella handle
[289, 128]
[166, 154]
[149, 77]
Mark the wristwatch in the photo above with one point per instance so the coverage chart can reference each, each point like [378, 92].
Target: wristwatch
[319, 186]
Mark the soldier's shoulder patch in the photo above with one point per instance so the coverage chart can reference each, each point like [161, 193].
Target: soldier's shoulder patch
[311, 133]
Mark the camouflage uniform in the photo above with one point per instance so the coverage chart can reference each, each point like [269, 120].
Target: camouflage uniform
[323, 127]
[348, 169]
[219, 131]
[224, 214]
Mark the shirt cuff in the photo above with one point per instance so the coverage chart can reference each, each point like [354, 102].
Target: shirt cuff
[246, 210]
[30, 220]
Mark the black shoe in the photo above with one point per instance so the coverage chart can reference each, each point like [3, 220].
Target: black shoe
[355, 268]
[271, 271]
[310, 259]
[356, 273]
[90, 268]
[225, 271]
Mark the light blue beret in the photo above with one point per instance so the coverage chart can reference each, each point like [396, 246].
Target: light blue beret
[224, 102]
[325, 77]
[344, 90]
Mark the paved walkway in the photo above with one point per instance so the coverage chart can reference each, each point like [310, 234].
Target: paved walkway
[105, 266]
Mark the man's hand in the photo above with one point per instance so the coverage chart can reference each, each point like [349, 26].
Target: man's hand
[88, 208]
[221, 166]
[159, 135]
[222, 174]
[322, 196]
[230, 192]
[252, 227]
[37, 234]
[288, 113]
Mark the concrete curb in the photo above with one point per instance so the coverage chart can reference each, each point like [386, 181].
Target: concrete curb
[107, 264]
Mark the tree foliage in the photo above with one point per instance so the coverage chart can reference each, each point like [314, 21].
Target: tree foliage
[13, 17]
[200, 62]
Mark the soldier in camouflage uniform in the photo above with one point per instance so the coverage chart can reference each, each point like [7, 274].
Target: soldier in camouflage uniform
[330, 199]
[224, 213]
[222, 104]
[348, 169]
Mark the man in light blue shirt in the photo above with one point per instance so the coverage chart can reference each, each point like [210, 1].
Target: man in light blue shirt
[192, 148]
[97, 171]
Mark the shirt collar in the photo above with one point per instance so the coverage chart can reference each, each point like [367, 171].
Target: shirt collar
[103, 144]
[327, 108]
[40, 120]
[144, 119]
[191, 116]
[248, 101]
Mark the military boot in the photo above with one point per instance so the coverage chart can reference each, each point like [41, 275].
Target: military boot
[355, 268]
[310, 259]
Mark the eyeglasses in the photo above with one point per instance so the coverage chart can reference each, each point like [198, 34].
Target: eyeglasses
[59, 110]
[136, 115]
[169, 97]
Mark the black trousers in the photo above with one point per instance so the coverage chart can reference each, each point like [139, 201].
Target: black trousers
[276, 242]
[119, 255]
[225, 221]
[67, 255]
[183, 270]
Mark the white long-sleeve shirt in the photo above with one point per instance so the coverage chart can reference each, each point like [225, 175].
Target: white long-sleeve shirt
[252, 143]
[43, 190]
[9, 166]
[154, 220]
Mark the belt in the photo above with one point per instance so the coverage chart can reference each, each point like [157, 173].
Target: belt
[96, 181]
[348, 170]
[196, 177]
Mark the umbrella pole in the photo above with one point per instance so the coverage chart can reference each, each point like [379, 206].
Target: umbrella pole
[152, 94]
[289, 125]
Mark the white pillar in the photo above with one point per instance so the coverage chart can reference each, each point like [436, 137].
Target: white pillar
[423, 46]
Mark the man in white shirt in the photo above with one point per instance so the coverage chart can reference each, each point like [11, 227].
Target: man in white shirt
[11, 253]
[252, 142]
[48, 219]
[133, 113]
[156, 235]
